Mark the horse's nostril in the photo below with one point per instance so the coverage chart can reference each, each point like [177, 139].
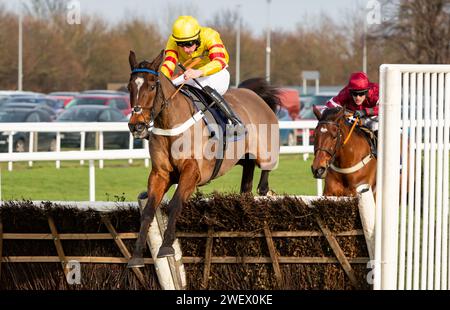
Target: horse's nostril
[318, 173]
[131, 126]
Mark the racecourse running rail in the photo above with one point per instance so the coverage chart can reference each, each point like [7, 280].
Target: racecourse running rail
[101, 154]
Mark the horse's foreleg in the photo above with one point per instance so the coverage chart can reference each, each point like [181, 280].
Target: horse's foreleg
[187, 183]
[263, 186]
[157, 186]
[248, 169]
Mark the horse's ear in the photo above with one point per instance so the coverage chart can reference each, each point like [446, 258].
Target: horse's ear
[317, 112]
[158, 60]
[132, 60]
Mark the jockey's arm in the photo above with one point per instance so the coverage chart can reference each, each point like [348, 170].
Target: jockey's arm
[217, 55]
[171, 59]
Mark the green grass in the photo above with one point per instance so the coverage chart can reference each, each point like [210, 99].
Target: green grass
[121, 181]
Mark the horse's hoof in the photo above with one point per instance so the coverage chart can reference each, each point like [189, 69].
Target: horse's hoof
[166, 251]
[136, 262]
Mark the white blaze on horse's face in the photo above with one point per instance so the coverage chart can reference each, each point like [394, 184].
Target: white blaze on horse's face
[139, 82]
[323, 130]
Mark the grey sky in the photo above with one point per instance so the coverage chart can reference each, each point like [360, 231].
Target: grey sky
[284, 14]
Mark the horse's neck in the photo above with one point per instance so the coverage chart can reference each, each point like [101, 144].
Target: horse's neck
[356, 142]
[178, 109]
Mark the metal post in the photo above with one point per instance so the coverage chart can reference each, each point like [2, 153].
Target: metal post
[365, 47]
[20, 68]
[238, 46]
[268, 49]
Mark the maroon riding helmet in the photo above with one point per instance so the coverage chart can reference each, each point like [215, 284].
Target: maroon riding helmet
[358, 81]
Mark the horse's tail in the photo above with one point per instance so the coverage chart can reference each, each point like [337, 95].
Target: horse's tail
[266, 91]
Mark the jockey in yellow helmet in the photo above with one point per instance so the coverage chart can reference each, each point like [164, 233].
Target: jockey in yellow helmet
[190, 41]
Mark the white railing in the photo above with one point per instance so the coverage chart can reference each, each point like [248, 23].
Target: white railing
[11, 128]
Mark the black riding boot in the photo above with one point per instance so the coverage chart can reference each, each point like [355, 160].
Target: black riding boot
[225, 108]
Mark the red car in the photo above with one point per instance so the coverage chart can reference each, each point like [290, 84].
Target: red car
[119, 102]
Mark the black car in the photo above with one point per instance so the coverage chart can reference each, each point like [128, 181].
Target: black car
[94, 113]
[26, 113]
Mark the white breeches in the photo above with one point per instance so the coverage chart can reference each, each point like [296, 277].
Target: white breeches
[219, 81]
[371, 123]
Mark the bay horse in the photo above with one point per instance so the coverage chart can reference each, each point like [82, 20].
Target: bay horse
[344, 166]
[174, 143]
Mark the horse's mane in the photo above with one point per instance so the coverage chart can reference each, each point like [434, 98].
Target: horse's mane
[330, 114]
[266, 91]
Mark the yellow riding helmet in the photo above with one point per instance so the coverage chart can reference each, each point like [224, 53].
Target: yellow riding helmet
[185, 28]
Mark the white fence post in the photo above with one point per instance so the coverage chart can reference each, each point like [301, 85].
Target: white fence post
[390, 174]
[91, 180]
[31, 146]
[82, 144]
[58, 148]
[100, 147]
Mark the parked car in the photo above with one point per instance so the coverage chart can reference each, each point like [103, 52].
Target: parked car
[318, 100]
[121, 103]
[95, 113]
[64, 93]
[26, 113]
[8, 95]
[55, 105]
[105, 92]
[63, 100]
[287, 136]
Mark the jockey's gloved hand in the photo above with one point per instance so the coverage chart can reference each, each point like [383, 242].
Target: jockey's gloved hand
[360, 114]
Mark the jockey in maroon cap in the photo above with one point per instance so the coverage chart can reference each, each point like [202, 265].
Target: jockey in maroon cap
[360, 96]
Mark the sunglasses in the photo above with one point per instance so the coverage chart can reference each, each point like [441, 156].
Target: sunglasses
[358, 93]
[186, 44]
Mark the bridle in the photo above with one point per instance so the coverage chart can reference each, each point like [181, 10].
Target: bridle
[331, 152]
[138, 109]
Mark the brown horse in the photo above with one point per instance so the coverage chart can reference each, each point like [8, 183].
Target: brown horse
[178, 145]
[344, 166]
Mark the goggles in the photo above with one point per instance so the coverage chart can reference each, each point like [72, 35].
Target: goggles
[186, 43]
[358, 93]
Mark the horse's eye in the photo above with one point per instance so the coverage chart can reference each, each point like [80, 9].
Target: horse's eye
[152, 87]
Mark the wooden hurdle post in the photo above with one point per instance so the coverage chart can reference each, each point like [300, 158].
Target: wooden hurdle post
[170, 270]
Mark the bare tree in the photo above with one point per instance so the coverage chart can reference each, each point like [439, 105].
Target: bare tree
[421, 31]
